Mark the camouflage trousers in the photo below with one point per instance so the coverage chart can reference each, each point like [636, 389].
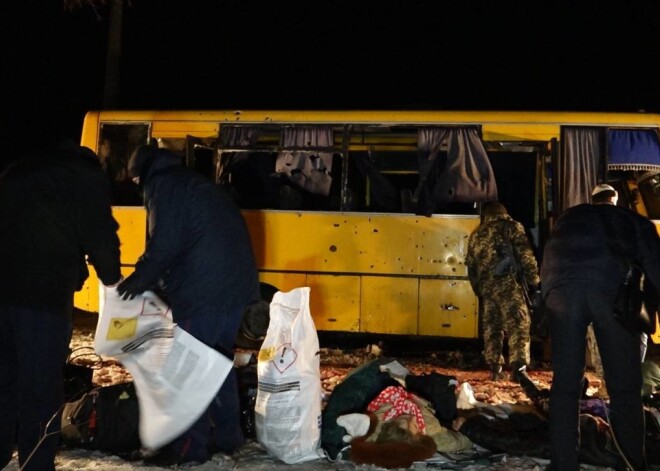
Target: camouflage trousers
[506, 316]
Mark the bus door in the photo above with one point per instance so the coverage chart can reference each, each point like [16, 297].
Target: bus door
[520, 173]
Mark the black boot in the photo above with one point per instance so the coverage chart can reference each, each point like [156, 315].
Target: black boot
[528, 386]
[496, 372]
[519, 375]
[519, 372]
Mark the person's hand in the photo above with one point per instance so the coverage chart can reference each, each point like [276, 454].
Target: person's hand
[129, 288]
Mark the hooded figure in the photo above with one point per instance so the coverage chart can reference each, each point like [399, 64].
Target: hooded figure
[199, 254]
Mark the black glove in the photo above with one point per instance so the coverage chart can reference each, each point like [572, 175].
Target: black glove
[129, 288]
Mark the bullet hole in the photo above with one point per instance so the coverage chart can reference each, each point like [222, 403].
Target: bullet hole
[333, 248]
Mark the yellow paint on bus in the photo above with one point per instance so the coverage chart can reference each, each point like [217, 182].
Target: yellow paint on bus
[371, 271]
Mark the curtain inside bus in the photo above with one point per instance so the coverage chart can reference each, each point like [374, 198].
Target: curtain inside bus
[634, 149]
[582, 162]
[453, 167]
[246, 172]
[579, 165]
[309, 170]
[234, 136]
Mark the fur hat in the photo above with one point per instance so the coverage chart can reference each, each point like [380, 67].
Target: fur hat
[392, 447]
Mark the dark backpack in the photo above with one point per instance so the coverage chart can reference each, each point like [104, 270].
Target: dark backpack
[79, 372]
[105, 419]
[439, 390]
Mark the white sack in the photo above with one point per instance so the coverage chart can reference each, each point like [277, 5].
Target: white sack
[176, 376]
[288, 403]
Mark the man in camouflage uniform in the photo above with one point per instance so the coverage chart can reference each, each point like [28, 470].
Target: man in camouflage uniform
[502, 268]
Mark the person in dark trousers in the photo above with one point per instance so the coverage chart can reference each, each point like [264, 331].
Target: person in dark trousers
[54, 212]
[502, 269]
[580, 274]
[200, 254]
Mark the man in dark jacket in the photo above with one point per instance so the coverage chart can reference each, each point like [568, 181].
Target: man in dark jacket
[580, 275]
[54, 211]
[199, 251]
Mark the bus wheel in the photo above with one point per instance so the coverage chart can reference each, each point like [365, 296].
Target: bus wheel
[256, 318]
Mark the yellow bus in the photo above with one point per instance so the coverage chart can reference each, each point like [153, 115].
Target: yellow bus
[373, 209]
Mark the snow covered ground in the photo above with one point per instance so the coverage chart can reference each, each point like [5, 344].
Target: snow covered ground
[253, 457]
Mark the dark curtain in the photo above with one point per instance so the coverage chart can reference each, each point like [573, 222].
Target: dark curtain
[247, 175]
[385, 196]
[579, 165]
[453, 167]
[234, 136]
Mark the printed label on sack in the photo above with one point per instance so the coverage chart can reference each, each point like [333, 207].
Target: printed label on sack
[266, 354]
[121, 328]
[285, 356]
[281, 357]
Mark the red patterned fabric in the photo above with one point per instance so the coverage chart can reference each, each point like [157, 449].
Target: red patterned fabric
[401, 402]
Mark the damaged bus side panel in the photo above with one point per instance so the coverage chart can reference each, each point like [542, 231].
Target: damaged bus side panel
[373, 209]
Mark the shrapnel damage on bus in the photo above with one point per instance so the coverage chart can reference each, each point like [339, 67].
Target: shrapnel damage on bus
[373, 209]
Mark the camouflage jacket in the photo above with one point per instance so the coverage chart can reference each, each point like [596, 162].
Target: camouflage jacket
[488, 259]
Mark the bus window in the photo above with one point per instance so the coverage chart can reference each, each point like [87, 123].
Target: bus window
[363, 168]
[280, 167]
[376, 178]
[250, 179]
[116, 143]
[200, 155]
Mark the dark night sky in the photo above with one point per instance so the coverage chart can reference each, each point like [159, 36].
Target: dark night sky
[246, 54]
